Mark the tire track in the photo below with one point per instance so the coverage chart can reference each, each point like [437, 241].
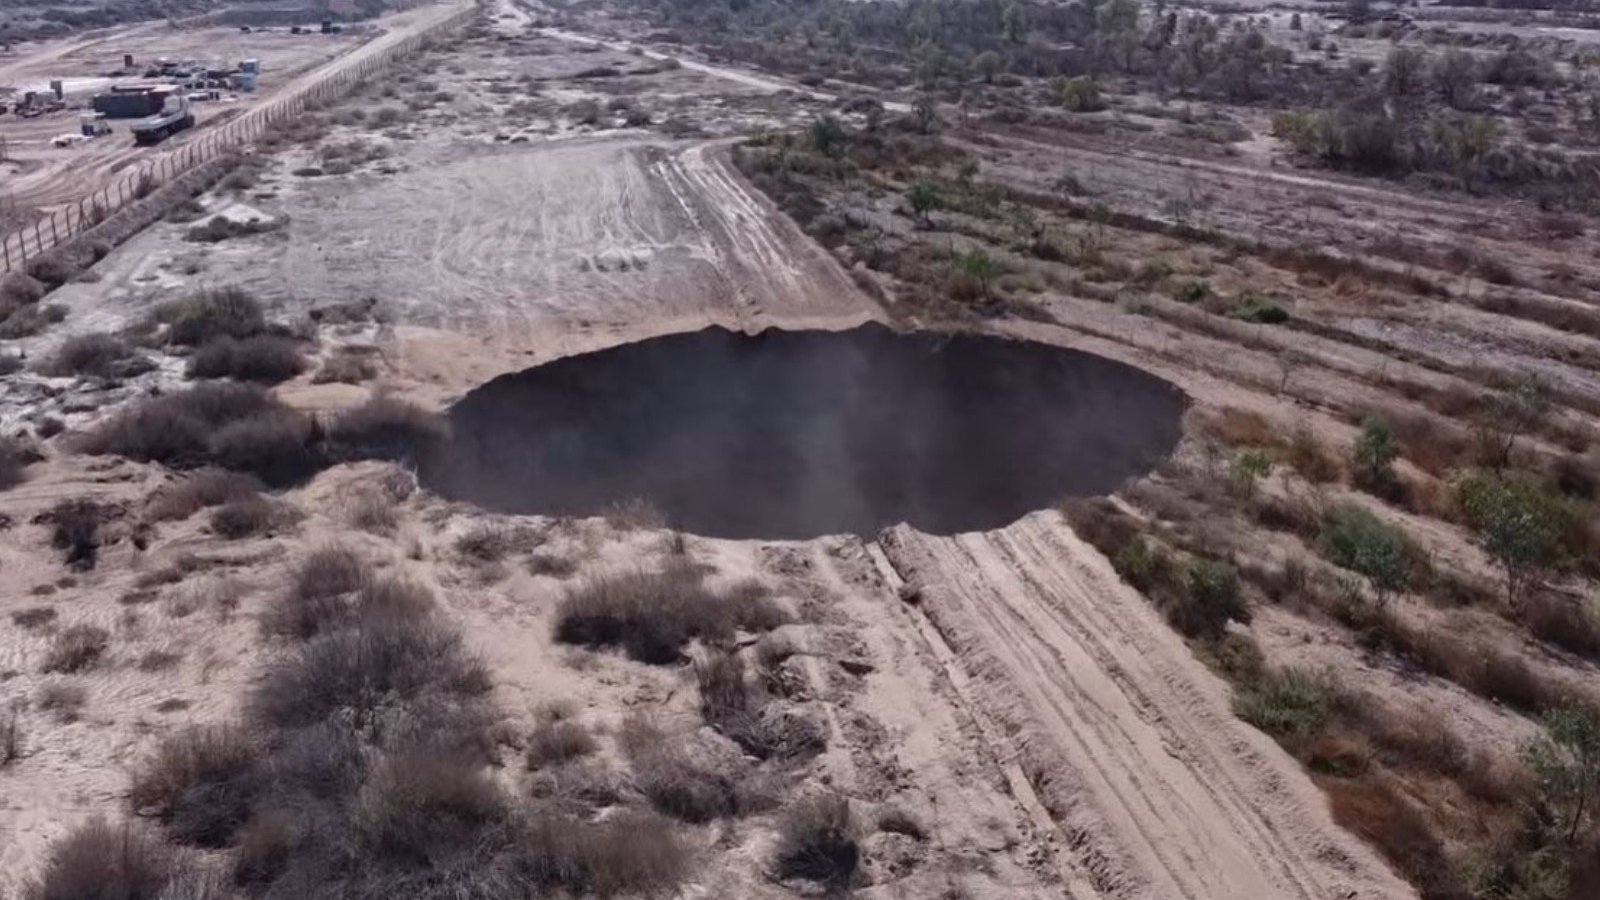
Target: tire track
[1129, 742]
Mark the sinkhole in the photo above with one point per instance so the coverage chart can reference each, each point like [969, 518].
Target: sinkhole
[796, 434]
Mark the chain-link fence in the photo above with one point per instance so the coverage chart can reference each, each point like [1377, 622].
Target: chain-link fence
[62, 223]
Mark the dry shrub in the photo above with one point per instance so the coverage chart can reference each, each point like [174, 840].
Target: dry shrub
[265, 359]
[558, 742]
[99, 355]
[34, 617]
[200, 785]
[100, 861]
[1240, 427]
[685, 785]
[277, 446]
[63, 699]
[346, 366]
[76, 648]
[385, 428]
[198, 490]
[315, 601]
[372, 509]
[223, 312]
[264, 846]
[365, 669]
[1428, 444]
[10, 740]
[177, 429]
[158, 660]
[629, 853]
[1572, 623]
[551, 564]
[75, 528]
[424, 810]
[489, 542]
[16, 455]
[1375, 809]
[1310, 458]
[240, 519]
[817, 842]
[653, 614]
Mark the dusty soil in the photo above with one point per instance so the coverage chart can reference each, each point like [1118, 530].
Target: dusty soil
[1005, 685]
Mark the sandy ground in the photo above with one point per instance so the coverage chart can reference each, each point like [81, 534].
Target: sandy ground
[1159, 789]
[1063, 739]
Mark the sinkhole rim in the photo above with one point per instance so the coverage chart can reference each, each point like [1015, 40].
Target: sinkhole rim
[762, 435]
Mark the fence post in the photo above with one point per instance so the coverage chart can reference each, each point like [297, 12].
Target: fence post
[6, 245]
[54, 237]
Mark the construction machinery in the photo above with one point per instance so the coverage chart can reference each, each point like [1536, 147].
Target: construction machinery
[176, 114]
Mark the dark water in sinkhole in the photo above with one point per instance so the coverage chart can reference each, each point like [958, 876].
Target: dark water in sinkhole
[795, 434]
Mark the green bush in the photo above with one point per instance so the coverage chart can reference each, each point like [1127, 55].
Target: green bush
[1289, 704]
[1355, 539]
[1523, 524]
[1259, 310]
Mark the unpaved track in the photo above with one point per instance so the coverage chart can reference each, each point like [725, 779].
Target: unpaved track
[1161, 791]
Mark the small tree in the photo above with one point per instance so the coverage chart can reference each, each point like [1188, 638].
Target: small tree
[1080, 94]
[1566, 761]
[1522, 524]
[1404, 72]
[986, 65]
[980, 266]
[924, 198]
[1456, 76]
[827, 136]
[1375, 451]
[1355, 539]
[1518, 408]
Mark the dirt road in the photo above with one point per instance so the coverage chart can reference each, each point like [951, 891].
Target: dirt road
[1160, 791]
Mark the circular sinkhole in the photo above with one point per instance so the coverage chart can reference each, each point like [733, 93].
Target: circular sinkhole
[796, 434]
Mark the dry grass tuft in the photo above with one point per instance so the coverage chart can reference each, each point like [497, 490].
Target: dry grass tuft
[652, 615]
[200, 785]
[198, 490]
[817, 842]
[76, 648]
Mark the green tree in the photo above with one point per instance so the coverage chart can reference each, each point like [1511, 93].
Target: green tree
[925, 113]
[1080, 94]
[981, 267]
[827, 136]
[1375, 451]
[1355, 539]
[1566, 761]
[1013, 23]
[924, 198]
[1521, 523]
[986, 65]
[1117, 30]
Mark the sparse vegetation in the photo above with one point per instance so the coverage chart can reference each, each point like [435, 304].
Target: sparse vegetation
[265, 359]
[817, 842]
[652, 614]
[76, 648]
[97, 355]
